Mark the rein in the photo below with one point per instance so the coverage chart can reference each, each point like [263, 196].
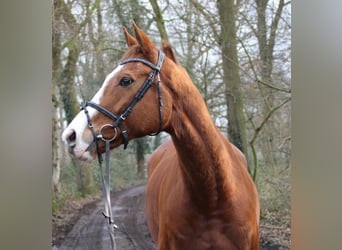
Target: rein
[118, 122]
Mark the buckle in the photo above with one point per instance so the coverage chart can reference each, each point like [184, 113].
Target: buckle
[100, 136]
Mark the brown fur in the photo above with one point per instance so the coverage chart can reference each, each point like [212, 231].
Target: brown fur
[199, 194]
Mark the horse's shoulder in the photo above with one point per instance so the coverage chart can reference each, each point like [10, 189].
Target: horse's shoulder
[165, 151]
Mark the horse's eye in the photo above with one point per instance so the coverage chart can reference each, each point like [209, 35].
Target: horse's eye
[126, 81]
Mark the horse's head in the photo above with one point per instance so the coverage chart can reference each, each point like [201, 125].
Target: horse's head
[131, 102]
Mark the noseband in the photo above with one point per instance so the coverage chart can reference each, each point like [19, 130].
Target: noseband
[118, 119]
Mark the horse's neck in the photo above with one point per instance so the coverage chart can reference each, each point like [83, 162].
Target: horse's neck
[202, 152]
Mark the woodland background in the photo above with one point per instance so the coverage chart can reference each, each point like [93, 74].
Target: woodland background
[238, 54]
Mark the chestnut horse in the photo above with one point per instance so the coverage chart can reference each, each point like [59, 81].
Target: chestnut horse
[199, 194]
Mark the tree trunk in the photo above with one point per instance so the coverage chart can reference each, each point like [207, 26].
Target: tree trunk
[266, 49]
[158, 17]
[156, 141]
[140, 156]
[85, 181]
[141, 144]
[84, 177]
[231, 76]
[56, 168]
[98, 45]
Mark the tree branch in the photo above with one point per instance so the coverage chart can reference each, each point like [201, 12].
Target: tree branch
[72, 23]
[207, 16]
[267, 117]
[256, 133]
[274, 25]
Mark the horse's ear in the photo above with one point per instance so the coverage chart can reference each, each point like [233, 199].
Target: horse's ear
[145, 43]
[130, 40]
[168, 51]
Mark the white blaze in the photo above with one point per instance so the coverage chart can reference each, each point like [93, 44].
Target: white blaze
[79, 123]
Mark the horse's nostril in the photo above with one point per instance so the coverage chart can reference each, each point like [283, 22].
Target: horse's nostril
[71, 138]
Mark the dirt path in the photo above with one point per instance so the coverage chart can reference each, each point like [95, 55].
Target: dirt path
[90, 231]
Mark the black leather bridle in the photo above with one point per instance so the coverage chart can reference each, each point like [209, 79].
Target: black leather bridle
[118, 119]
[118, 122]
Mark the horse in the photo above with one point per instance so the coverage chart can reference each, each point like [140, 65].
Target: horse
[199, 194]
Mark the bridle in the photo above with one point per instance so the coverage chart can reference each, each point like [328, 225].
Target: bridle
[118, 122]
[118, 119]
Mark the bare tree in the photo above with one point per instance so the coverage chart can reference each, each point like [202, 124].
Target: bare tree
[274, 95]
[66, 79]
[231, 75]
